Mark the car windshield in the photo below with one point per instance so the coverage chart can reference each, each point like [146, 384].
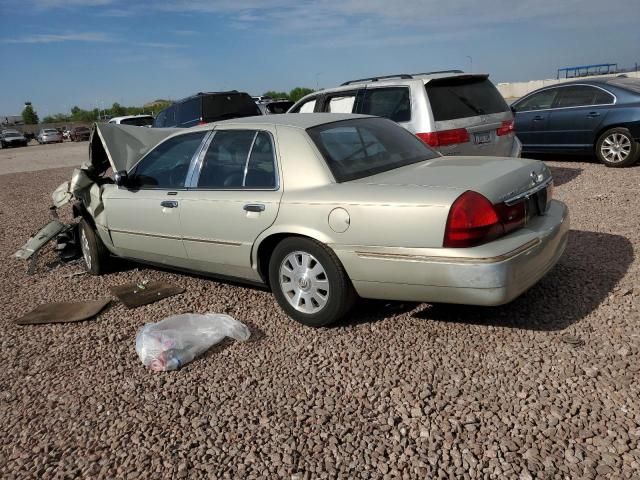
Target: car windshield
[12, 134]
[138, 121]
[360, 148]
[50, 130]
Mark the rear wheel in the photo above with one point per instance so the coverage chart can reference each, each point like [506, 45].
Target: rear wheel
[617, 148]
[94, 253]
[309, 282]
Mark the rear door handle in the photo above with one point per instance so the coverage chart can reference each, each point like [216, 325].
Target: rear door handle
[537, 118]
[169, 204]
[254, 207]
[593, 115]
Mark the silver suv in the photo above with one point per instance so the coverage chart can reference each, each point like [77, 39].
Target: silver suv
[454, 112]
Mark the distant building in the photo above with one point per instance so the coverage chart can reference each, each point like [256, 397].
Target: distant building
[11, 120]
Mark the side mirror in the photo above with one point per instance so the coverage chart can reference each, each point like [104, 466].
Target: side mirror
[121, 178]
[513, 109]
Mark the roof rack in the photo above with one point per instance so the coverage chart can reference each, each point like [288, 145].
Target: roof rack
[403, 76]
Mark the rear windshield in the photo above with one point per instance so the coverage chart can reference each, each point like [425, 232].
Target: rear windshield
[138, 121]
[461, 97]
[279, 107]
[50, 130]
[12, 134]
[360, 148]
[225, 106]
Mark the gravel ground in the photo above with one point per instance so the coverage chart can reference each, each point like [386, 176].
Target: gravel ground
[40, 157]
[396, 391]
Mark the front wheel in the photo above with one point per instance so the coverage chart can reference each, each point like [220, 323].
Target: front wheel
[309, 282]
[94, 253]
[617, 148]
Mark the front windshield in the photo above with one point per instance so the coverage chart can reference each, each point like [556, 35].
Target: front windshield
[367, 146]
[12, 134]
[138, 121]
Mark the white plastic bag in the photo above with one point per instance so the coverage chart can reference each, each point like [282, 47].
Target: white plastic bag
[176, 340]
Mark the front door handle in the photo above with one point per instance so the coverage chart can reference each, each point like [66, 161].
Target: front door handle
[593, 115]
[254, 207]
[169, 204]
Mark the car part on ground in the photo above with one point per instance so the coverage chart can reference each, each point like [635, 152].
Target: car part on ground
[454, 112]
[598, 117]
[206, 107]
[136, 294]
[63, 312]
[312, 218]
[175, 341]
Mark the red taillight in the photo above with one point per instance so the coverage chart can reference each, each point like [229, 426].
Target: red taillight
[505, 129]
[444, 137]
[474, 220]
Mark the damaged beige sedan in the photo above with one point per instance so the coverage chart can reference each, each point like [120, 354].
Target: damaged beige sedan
[322, 208]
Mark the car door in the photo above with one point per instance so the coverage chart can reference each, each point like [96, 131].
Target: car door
[144, 218]
[234, 196]
[340, 102]
[531, 116]
[577, 113]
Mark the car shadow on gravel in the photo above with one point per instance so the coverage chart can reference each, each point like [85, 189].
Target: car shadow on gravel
[371, 311]
[562, 175]
[587, 273]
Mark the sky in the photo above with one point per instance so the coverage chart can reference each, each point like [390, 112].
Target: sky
[91, 53]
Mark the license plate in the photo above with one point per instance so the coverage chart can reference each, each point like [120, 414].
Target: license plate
[482, 138]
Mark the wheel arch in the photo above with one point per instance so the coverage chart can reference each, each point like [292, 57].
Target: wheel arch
[602, 130]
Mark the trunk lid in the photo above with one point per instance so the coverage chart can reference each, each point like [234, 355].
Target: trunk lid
[496, 178]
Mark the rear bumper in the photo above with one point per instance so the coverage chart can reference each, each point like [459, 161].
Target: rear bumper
[516, 150]
[492, 274]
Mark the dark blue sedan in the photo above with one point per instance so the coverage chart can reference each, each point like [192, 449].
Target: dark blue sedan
[592, 116]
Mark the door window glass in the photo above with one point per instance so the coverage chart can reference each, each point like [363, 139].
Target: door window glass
[226, 159]
[189, 111]
[167, 165]
[307, 107]
[578, 96]
[603, 98]
[340, 104]
[392, 103]
[261, 169]
[538, 101]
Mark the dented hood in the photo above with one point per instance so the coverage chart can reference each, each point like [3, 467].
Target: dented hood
[121, 146]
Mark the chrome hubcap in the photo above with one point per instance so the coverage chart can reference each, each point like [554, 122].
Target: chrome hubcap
[84, 245]
[616, 147]
[304, 282]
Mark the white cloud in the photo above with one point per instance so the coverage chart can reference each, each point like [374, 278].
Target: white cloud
[63, 37]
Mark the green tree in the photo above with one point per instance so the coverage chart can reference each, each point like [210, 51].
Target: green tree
[29, 115]
[299, 92]
[274, 94]
[118, 110]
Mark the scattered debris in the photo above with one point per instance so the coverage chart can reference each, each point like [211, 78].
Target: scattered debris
[63, 312]
[74, 274]
[142, 293]
[176, 340]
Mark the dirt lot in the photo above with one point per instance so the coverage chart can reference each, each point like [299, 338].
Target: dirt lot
[41, 157]
[396, 391]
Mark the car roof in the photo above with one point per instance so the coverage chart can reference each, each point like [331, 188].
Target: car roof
[297, 120]
[126, 117]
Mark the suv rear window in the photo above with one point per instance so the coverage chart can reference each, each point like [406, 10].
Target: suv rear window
[360, 148]
[461, 97]
[226, 106]
[189, 111]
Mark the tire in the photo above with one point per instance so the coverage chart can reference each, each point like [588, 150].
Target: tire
[94, 253]
[317, 306]
[616, 148]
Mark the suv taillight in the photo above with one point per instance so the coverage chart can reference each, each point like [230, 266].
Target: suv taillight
[474, 220]
[505, 129]
[444, 137]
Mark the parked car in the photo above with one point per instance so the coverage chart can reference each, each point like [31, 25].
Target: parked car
[137, 120]
[321, 208]
[79, 134]
[204, 108]
[49, 135]
[600, 117]
[275, 107]
[12, 138]
[451, 111]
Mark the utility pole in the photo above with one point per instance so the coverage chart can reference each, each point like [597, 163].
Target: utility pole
[470, 63]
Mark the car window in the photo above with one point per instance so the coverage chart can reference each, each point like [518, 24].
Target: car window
[189, 111]
[463, 97]
[538, 101]
[138, 121]
[575, 96]
[166, 166]
[160, 119]
[225, 161]
[278, 107]
[226, 106]
[307, 107]
[392, 103]
[603, 98]
[170, 116]
[363, 147]
[340, 103]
